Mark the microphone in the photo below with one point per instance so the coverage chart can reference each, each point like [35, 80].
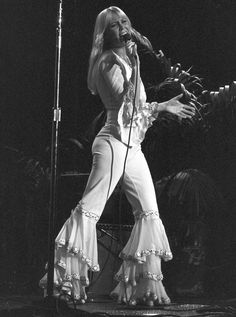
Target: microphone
[133, 50]
[125, 37]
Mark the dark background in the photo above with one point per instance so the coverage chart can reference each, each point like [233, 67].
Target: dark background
[199, 33]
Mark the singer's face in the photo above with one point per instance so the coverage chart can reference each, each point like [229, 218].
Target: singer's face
[118, 26]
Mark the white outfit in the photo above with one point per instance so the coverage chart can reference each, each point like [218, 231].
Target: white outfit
[76, 244]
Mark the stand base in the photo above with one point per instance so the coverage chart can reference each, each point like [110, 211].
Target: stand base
[109, 308]
[23, 306]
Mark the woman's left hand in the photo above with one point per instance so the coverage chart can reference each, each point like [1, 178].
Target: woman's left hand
[176, 107]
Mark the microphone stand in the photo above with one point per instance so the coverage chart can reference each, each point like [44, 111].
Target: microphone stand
[54, 157]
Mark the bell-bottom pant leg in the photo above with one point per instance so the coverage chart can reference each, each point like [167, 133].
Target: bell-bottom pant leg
[76, 243]
[140, 275]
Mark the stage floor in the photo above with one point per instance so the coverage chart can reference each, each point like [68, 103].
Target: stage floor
[34, 306]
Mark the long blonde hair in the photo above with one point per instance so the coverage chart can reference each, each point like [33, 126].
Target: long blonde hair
[98, 47]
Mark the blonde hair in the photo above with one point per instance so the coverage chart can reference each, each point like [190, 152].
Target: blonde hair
[98, 46]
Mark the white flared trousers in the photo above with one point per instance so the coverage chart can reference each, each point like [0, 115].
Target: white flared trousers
[107, 169]
[76, 243]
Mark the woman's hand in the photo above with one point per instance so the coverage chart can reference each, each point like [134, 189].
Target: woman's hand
[131, 49]
[176, 107]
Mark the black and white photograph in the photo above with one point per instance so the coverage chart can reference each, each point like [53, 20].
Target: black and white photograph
[118, 158]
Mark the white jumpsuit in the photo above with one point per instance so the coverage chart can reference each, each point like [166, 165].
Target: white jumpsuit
[76, 243]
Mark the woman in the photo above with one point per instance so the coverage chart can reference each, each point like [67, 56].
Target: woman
[114, 75]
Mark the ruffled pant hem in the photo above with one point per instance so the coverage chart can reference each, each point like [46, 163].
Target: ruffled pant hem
[75, 254]
[140, 275]
[141, 281]
[140, 257]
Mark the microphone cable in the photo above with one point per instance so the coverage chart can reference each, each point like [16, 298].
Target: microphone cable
[136, 78]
